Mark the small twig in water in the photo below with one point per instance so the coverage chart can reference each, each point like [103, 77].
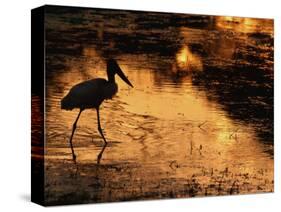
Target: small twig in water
[191, 147]
[235, 132]
[200, 126]
[232, 187]
[174, 165]
[200, 148]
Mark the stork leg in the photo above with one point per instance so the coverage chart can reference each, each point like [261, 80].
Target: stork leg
[99, 126]
[73, 130]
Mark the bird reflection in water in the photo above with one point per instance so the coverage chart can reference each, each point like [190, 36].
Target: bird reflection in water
[101, 153]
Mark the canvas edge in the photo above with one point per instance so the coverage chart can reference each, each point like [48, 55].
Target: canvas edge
[37, 89]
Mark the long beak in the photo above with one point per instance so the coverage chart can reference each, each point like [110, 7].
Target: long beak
[122, 75]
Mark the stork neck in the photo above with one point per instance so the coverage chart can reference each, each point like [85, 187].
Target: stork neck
[111, 77]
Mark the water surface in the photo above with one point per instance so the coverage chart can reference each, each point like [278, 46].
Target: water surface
[199, 120]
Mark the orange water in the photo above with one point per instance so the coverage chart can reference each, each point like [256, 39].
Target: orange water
[166, 134]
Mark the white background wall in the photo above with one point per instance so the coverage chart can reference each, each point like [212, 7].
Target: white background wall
[15, 103]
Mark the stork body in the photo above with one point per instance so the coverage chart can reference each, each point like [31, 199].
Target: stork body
[91, 93]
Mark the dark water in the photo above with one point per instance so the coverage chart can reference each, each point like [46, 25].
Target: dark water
[199, 120]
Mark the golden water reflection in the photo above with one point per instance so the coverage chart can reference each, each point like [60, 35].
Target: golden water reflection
[187, 61]
[244, 25]
[168, 131]
[167, 138]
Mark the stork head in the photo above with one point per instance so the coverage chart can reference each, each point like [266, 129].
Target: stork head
[113, 68]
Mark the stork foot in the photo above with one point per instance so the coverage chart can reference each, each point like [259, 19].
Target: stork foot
[101, 153]
[74, 158]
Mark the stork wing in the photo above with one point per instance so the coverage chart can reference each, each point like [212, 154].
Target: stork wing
[88, 94]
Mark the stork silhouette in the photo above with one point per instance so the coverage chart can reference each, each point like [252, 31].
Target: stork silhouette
[90, 94]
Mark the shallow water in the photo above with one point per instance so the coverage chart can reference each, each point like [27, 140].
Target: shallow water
[197, 121]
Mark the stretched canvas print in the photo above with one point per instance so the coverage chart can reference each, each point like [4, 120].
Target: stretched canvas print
[131, 105]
